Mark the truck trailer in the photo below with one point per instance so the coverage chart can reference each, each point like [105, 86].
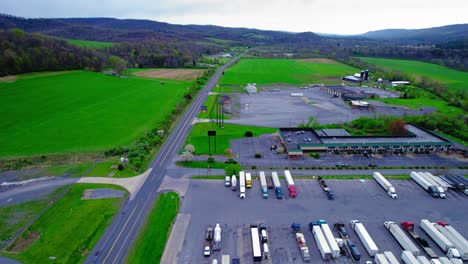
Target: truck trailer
[290, 184]
[263, 185]
[234, 183]
[408, 258]
[365, 238]
[321, 241]
[400, 236]
[446, 245]
[277, 185]
[390, 257]
[334, 248]
[242, 184]
[385, 184]
[431, 189]
[301, 242]
[428, 177]
[256, 250]
[409, 228]
[380, 259]
[423, 260]
[217, 237]
[456, 238]
[330, 194]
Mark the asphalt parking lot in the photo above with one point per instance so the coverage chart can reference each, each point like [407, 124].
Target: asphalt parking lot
[280, 109]
[209, 202]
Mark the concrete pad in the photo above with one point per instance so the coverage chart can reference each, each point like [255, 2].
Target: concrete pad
[132, 184]
[178, 185]
[176, 239]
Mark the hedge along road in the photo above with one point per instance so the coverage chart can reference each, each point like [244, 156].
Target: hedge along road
[117, 240]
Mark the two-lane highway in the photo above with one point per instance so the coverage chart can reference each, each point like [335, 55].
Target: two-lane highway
[119, 236]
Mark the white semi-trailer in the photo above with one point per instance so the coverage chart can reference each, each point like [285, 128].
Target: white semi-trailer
[366, 239]
[423, 260]
[234, 183]
[429, 179]
[456, 238]
[386, 185]
[446, 245]
[400, 236]
[334, 248]
[217, 238]
[256, 249]
[321, 241]
[391, 258]
[242, 184]
[277, 185]
[430, 188]
[263, 185]
[380, 259]
[408, 258]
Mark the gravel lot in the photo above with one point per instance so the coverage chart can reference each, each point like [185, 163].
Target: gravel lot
[209, 202]
[280, 109]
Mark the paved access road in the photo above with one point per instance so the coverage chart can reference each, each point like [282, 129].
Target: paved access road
[119, 236]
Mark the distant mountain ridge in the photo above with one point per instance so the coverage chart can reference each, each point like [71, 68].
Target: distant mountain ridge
[435, 34]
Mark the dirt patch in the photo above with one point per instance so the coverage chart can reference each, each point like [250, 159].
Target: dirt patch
[319, 60]
[101, 193]
[173, 74]
[8, 79]
[23, 243]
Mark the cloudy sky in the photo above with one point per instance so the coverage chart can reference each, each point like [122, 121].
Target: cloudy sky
[326, 16]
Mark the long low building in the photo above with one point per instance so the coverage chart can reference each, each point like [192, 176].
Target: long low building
[300, 140]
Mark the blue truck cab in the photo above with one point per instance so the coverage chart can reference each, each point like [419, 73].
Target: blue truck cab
[279, 193]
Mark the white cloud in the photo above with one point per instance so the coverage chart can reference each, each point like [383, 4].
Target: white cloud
[331, 16]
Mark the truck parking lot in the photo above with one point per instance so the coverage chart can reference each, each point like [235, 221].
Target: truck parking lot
[209, 202]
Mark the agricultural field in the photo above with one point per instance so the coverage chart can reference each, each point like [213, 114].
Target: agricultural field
[80, 111]
[199, 139]
[68, 230]
[453, 78]
[171, 74]
[286, 71]
[89, 43]
[149, 245]
[417, 103]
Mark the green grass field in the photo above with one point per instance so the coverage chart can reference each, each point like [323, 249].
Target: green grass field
[80, 111]
[453, 78]
[89, 43]
[272, 71]
[104, 169]
[150, 243]
[199, 139]
[415, 103]
[70, 228]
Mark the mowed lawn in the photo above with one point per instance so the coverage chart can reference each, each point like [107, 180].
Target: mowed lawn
[198, 136]
[289, 71]
[69, 229]
[89, 43]
[80, 111]
[453, 78]
[150, 243]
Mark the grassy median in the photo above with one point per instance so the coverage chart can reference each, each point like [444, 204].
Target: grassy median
[150, 243]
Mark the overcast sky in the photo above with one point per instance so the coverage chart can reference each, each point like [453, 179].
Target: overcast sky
[325, 16]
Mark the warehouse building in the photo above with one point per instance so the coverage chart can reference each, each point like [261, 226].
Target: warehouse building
[300, 140]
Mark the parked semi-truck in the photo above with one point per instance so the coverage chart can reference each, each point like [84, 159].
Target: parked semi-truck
[446, 245]
[263, 185]
[380, 259]
[390, 257]
[277, 185]
[242, 184]
[400, 236]
[321, 241]
[234, 183]
[366, 239]
[301, 242]
[409, 228]
[334, 248]
[408, 258]
[386, 185]
[330, 194]
[431, 189]
[290, 184]
[264, 240]
[256, 250]
[458, 183]
[428, 177]
[460, 243]
[269, 183]
[353, 250]
[248, 180]
[217, 237]
[445, 186]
